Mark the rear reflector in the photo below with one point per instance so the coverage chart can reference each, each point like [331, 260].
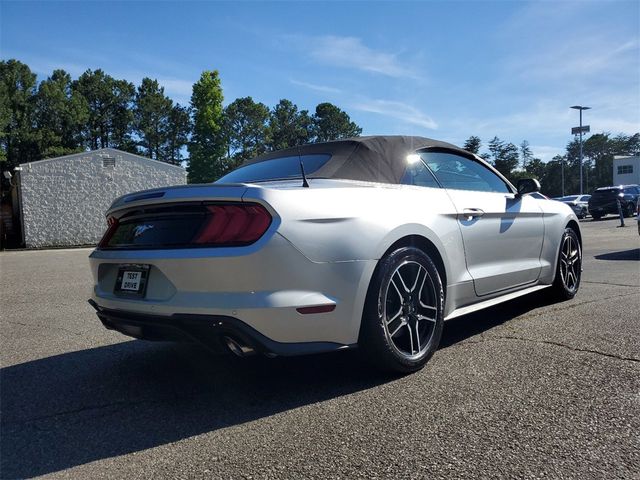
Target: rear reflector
[316, 309]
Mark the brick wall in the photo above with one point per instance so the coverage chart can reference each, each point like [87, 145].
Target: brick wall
[64, 199]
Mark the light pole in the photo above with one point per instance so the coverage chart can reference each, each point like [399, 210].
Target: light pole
[580, 130]
[562, 173]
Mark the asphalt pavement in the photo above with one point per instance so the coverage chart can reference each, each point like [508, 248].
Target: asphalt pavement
[527, 389]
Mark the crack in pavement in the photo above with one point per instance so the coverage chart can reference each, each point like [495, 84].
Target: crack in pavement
[549, 342]
[87, 408]
[38, 325]
[576, 304]
[612, 284]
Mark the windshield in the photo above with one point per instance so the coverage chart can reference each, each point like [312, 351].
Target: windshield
[276, 169]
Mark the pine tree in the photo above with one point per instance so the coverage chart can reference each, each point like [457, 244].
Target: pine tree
[60, 114]
[525, 154]
[473, 144]
[110, 117]
[18, 142]
[245, 129]
[152, 116]
[177, 134]
[288, 127]
[331, 123]
[207, 146]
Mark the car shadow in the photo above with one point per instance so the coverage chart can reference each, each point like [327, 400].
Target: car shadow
[461, 328]
[67, 410]
[633, 254]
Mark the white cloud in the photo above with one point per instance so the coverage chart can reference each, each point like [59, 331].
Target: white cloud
[317, 88]
[177, 87]
[398, 110]
[350, 52]
[577, 59]
[546, 152]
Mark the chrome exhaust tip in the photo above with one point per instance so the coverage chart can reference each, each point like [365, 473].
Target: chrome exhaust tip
[238, 348]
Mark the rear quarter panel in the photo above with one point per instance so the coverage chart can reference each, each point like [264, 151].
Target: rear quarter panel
[557, 216]
[356, 222]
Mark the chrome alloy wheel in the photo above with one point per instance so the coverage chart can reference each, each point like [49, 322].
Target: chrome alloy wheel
[570, 263]
[410, 309]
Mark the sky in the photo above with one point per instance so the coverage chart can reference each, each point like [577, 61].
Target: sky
[444, 70]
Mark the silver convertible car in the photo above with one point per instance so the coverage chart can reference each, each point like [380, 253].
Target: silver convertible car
[368, 242]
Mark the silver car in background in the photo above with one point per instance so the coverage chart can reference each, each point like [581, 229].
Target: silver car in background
[578, 203]
[368, 242]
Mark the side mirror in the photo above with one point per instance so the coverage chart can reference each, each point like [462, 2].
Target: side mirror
[528, 185]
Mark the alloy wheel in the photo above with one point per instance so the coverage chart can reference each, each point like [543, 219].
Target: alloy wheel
[570, 263]
[410, 309]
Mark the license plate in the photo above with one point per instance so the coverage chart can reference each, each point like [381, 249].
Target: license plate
[132, 280]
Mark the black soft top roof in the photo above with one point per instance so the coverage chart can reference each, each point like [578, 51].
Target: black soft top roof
[379, 158]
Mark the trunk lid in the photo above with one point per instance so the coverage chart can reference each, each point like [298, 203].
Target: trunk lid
[186, 216]
[179, 193]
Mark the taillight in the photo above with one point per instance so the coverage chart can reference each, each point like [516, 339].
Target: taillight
[113, 226]
[233, 224]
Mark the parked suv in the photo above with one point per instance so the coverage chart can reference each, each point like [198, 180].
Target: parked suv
[603, 200]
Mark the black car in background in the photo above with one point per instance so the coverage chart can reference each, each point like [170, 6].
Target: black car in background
[604, 200]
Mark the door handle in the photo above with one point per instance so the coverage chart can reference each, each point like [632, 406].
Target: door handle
[471, 213]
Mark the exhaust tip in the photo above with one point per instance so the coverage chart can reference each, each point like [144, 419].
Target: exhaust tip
[237, 348]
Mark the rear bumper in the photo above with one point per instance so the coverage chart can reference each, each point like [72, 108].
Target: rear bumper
[262, 288]
[578, 209]
[607, 208]
[208, 330]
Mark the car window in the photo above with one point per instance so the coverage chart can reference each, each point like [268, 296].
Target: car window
[605, 193]
[460, 173]
[570, 198]
[631, 190]
[276, 169]
[418, 174]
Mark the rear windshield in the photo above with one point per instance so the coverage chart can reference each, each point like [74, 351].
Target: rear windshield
[276, 169]
[610, 192]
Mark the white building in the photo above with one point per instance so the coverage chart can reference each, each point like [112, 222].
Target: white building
[626, 170]
[62, 201]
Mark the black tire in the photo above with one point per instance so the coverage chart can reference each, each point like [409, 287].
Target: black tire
[596, 216]
[398, 318]
[630, 210]
[569, 266]
[583, 214]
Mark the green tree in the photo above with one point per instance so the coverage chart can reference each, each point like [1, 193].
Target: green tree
[60, 114]
[109, 104]
[473, 144]
[245, 129]
[633, 144]
[551, 180]
[152, 116]
[331, 123]
[504, 156]
[288, 127]
[599, 149]
[525, 154]
[207, 146]
[17, 98]
[535, 168]
[177, 134]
